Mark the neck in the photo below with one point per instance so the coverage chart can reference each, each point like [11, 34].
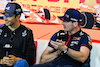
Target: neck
[74, 31]
[14, 26]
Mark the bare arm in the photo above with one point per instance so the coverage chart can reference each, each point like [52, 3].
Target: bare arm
[81, 55]
[47, 56]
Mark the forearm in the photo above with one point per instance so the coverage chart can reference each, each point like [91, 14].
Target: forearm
[45, 58]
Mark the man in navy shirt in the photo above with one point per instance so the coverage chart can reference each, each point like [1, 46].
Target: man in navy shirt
[69, 47]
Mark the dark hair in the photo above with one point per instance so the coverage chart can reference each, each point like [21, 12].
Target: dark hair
[16, 15]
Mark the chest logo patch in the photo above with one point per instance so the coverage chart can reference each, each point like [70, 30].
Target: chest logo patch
[74, 43]
[24, 33]
[76, 38]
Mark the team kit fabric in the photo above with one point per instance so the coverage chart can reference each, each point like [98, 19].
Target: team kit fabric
[21, 41]
[74, 42]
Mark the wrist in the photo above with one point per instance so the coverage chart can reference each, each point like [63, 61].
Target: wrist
[66, 51]
[58, 52]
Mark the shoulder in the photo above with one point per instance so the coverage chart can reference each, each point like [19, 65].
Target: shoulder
[86, 41]
[85, 36]
[82, 33]
[60, 32]
[58, 35]
[25, 28]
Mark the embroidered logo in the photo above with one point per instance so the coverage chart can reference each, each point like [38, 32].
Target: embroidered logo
[76, 38]
[18, 10]
[81, 33]
[74, 42]
[24, 33]
[5, 35]
[67, 15]
[89, 38]
[73, 19]
[71, 44]
[89, 43]
[7, 8]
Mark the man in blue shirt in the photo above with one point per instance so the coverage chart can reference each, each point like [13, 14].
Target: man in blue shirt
[69, 47]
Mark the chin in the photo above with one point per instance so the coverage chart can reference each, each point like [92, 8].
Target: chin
[65, 30]
[7, 24]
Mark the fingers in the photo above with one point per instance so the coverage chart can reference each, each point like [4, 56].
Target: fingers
[60, 46]
[63, 42]
[57, 43]
[5, 60]
[54, 44]
[8, 61]
[11, 56]
[11, 62]
[15, 58]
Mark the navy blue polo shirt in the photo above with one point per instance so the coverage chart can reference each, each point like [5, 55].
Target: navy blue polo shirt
[74, 42]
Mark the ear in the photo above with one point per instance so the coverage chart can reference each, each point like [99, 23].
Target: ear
[75, 24]
[18, 16]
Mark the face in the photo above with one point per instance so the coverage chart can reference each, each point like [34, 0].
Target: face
[68, 26]
[10, 21]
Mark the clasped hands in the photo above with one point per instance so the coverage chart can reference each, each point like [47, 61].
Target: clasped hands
[60, 46]
[9, 61]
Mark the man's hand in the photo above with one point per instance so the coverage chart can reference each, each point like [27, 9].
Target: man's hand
[9, 61]
[15, 58]
[58, 52]
[59, 45]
